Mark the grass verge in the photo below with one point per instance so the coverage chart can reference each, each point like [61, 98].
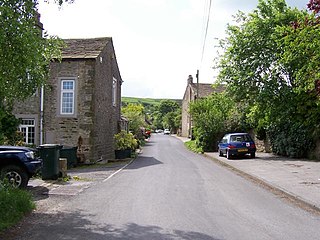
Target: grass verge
[14, 204]
[191, 145]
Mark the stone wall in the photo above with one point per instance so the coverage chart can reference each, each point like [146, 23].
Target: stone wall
[263, 145]
[30, 108]
[185, 118]
[67, 130]
[96, 119]
[107, 115]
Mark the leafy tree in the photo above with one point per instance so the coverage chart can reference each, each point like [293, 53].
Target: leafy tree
[167, 106]
[212, 117]
[8, 128]
[250, 64]
[167, 115]
[314, 5]
[24, 59]
[172, 120]
[24, 54]
[157, 120]
[271, 64]
[135, 114]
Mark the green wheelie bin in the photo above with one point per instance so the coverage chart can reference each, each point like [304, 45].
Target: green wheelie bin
[50, 154]
[70, 153]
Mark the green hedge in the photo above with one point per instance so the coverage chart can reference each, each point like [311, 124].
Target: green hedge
[291, 139]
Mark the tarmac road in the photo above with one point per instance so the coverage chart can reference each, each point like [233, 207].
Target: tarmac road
[171, 193]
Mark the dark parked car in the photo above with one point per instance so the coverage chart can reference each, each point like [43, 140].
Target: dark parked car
[237, 144]
[18, 164]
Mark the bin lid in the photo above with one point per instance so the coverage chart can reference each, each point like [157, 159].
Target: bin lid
[50, 145]
[68, 147]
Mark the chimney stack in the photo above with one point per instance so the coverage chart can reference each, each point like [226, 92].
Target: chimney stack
[190, 79]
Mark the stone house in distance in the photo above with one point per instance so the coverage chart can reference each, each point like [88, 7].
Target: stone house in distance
[192, 92]
[80, 104]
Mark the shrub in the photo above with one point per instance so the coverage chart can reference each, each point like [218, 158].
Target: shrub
[14, 204]
[124, 140]
[193, 146]
[291, 139]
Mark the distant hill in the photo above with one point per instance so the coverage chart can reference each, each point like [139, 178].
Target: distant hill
[145, 101]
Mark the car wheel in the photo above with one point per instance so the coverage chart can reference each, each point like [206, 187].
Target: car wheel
[15, 175]
[228, 155]
[220, 153]
[253, 155]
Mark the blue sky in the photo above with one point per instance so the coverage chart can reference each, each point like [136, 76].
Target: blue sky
[158, 43]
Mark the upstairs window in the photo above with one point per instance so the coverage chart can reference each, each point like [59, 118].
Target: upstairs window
[67, 97]
[114, 92]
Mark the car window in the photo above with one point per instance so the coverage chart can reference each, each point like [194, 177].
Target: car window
[235, 139]
[224, 140]
[240, 138]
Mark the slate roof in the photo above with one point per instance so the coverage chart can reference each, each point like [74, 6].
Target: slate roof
[84, 48]
[205, 89]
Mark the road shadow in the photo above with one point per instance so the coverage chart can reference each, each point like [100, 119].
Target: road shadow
[38, 192]
[99, 168]
[148, 144]
[142, 162]
[77, 226]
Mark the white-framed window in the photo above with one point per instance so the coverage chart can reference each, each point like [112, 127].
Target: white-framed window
[27, 127]
[67, 97]
[114, 92]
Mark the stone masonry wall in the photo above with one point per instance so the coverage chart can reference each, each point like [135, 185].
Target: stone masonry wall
[70, 130]
[96, 119]
[30, 108]
[185, 119]
[107, 115]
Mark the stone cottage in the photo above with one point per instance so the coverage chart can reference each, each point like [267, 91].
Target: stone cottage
[80, 104]
[192, 92]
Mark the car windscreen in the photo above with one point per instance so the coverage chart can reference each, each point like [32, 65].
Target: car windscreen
[240, 138]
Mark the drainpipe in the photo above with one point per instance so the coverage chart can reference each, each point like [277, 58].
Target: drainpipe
[41, 114]
[40, 26]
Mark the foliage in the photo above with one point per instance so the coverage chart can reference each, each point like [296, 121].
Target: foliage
[135, 114]
[213, 116]
[124, 140]
[172, 120]
[155, 111]
[192, 145]
[290, 139]
[168, 115]
[167, 106]
[24, 54]
[8, 128]
[249, 65]
[14, 204]
[145, 102]
[314, 5]
[271, 63]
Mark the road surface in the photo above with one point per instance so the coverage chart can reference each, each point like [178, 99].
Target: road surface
[169, 192]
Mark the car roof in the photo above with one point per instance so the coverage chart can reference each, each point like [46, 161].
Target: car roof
[235, 134]
[21, 148]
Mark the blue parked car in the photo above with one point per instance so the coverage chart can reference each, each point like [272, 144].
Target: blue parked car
[237, 144]
[18, 165]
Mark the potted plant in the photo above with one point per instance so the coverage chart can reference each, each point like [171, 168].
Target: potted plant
[124, 144]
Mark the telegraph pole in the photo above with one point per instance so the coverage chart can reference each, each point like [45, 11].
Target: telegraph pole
[197, 76]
